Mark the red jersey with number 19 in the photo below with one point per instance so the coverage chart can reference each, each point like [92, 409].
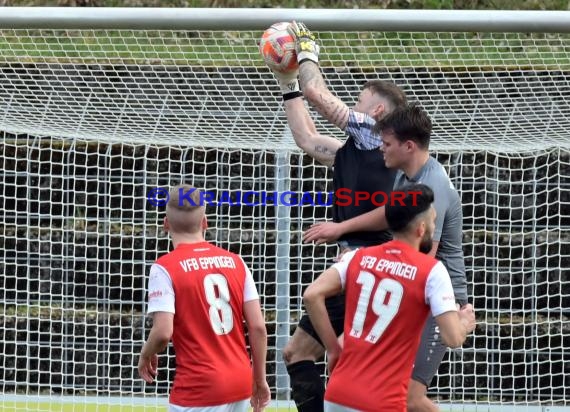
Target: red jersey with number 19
[209, 286]
[389, 290]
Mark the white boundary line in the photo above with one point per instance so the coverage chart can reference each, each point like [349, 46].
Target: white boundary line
[163, 401]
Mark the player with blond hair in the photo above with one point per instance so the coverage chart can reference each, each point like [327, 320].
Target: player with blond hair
[199, 295]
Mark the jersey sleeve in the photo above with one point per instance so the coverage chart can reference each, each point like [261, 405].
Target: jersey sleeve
[160, 290]
[249, 289]
[342, 266]
[439, 292]
[442, 202]
[360, 126]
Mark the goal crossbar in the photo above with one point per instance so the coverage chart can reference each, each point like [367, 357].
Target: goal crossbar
[540, 21]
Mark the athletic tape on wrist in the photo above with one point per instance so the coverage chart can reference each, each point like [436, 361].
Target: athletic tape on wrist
[292, 95]
[306, 59]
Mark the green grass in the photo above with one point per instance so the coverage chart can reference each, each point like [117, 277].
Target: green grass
[240, 48]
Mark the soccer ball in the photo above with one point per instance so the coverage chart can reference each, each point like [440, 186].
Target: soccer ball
[277, 47]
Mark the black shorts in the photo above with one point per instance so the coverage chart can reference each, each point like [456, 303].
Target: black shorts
[335, 309]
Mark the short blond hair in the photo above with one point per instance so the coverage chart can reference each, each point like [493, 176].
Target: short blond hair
[185, 209]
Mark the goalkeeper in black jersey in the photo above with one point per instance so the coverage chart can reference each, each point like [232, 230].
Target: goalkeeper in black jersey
[358, 166]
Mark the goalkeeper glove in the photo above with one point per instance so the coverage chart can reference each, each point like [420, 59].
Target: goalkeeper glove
[288, 84]
[305, 44]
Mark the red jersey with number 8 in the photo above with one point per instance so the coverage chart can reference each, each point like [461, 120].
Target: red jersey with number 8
[389, 291]
[212, 362]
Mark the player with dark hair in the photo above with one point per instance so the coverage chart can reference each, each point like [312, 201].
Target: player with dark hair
[199, 296]
[390, 290]
[406, 135]
[357, 164]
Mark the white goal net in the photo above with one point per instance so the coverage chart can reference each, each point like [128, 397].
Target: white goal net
[93, 119]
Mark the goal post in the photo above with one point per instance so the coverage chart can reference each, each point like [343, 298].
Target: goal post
[101, 106]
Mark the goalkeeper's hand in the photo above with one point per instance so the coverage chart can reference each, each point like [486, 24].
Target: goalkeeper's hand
[288, 82]
[305, 44]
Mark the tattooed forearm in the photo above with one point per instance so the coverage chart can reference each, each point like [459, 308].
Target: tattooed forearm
[310, 75]
[325, 151]
[318, 95]
[339, 114]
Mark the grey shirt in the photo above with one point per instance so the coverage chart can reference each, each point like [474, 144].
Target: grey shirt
[448, 224]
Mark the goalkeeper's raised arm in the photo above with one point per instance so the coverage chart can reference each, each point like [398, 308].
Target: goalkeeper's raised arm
[320, 147]
[311, 80]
